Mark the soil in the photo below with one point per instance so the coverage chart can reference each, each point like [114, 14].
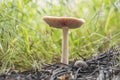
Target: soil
[104, 66]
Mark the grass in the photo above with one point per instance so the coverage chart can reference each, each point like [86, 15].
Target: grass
[26, 41]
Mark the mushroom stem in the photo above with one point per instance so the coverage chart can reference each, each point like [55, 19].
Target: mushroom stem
[64, 57]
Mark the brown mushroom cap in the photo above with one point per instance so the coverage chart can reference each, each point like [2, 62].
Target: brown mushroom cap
[60, 22]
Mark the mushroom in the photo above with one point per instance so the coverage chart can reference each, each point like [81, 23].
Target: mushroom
[82, 64]
[64, 23]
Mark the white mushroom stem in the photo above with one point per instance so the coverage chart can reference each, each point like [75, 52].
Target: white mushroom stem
[65, 54]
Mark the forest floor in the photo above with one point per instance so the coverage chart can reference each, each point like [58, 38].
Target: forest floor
[104, 66]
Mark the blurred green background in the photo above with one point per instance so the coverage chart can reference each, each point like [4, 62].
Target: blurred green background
[26, 41]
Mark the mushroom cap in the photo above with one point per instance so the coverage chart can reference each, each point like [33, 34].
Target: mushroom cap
[60, 22]
[81, 64]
